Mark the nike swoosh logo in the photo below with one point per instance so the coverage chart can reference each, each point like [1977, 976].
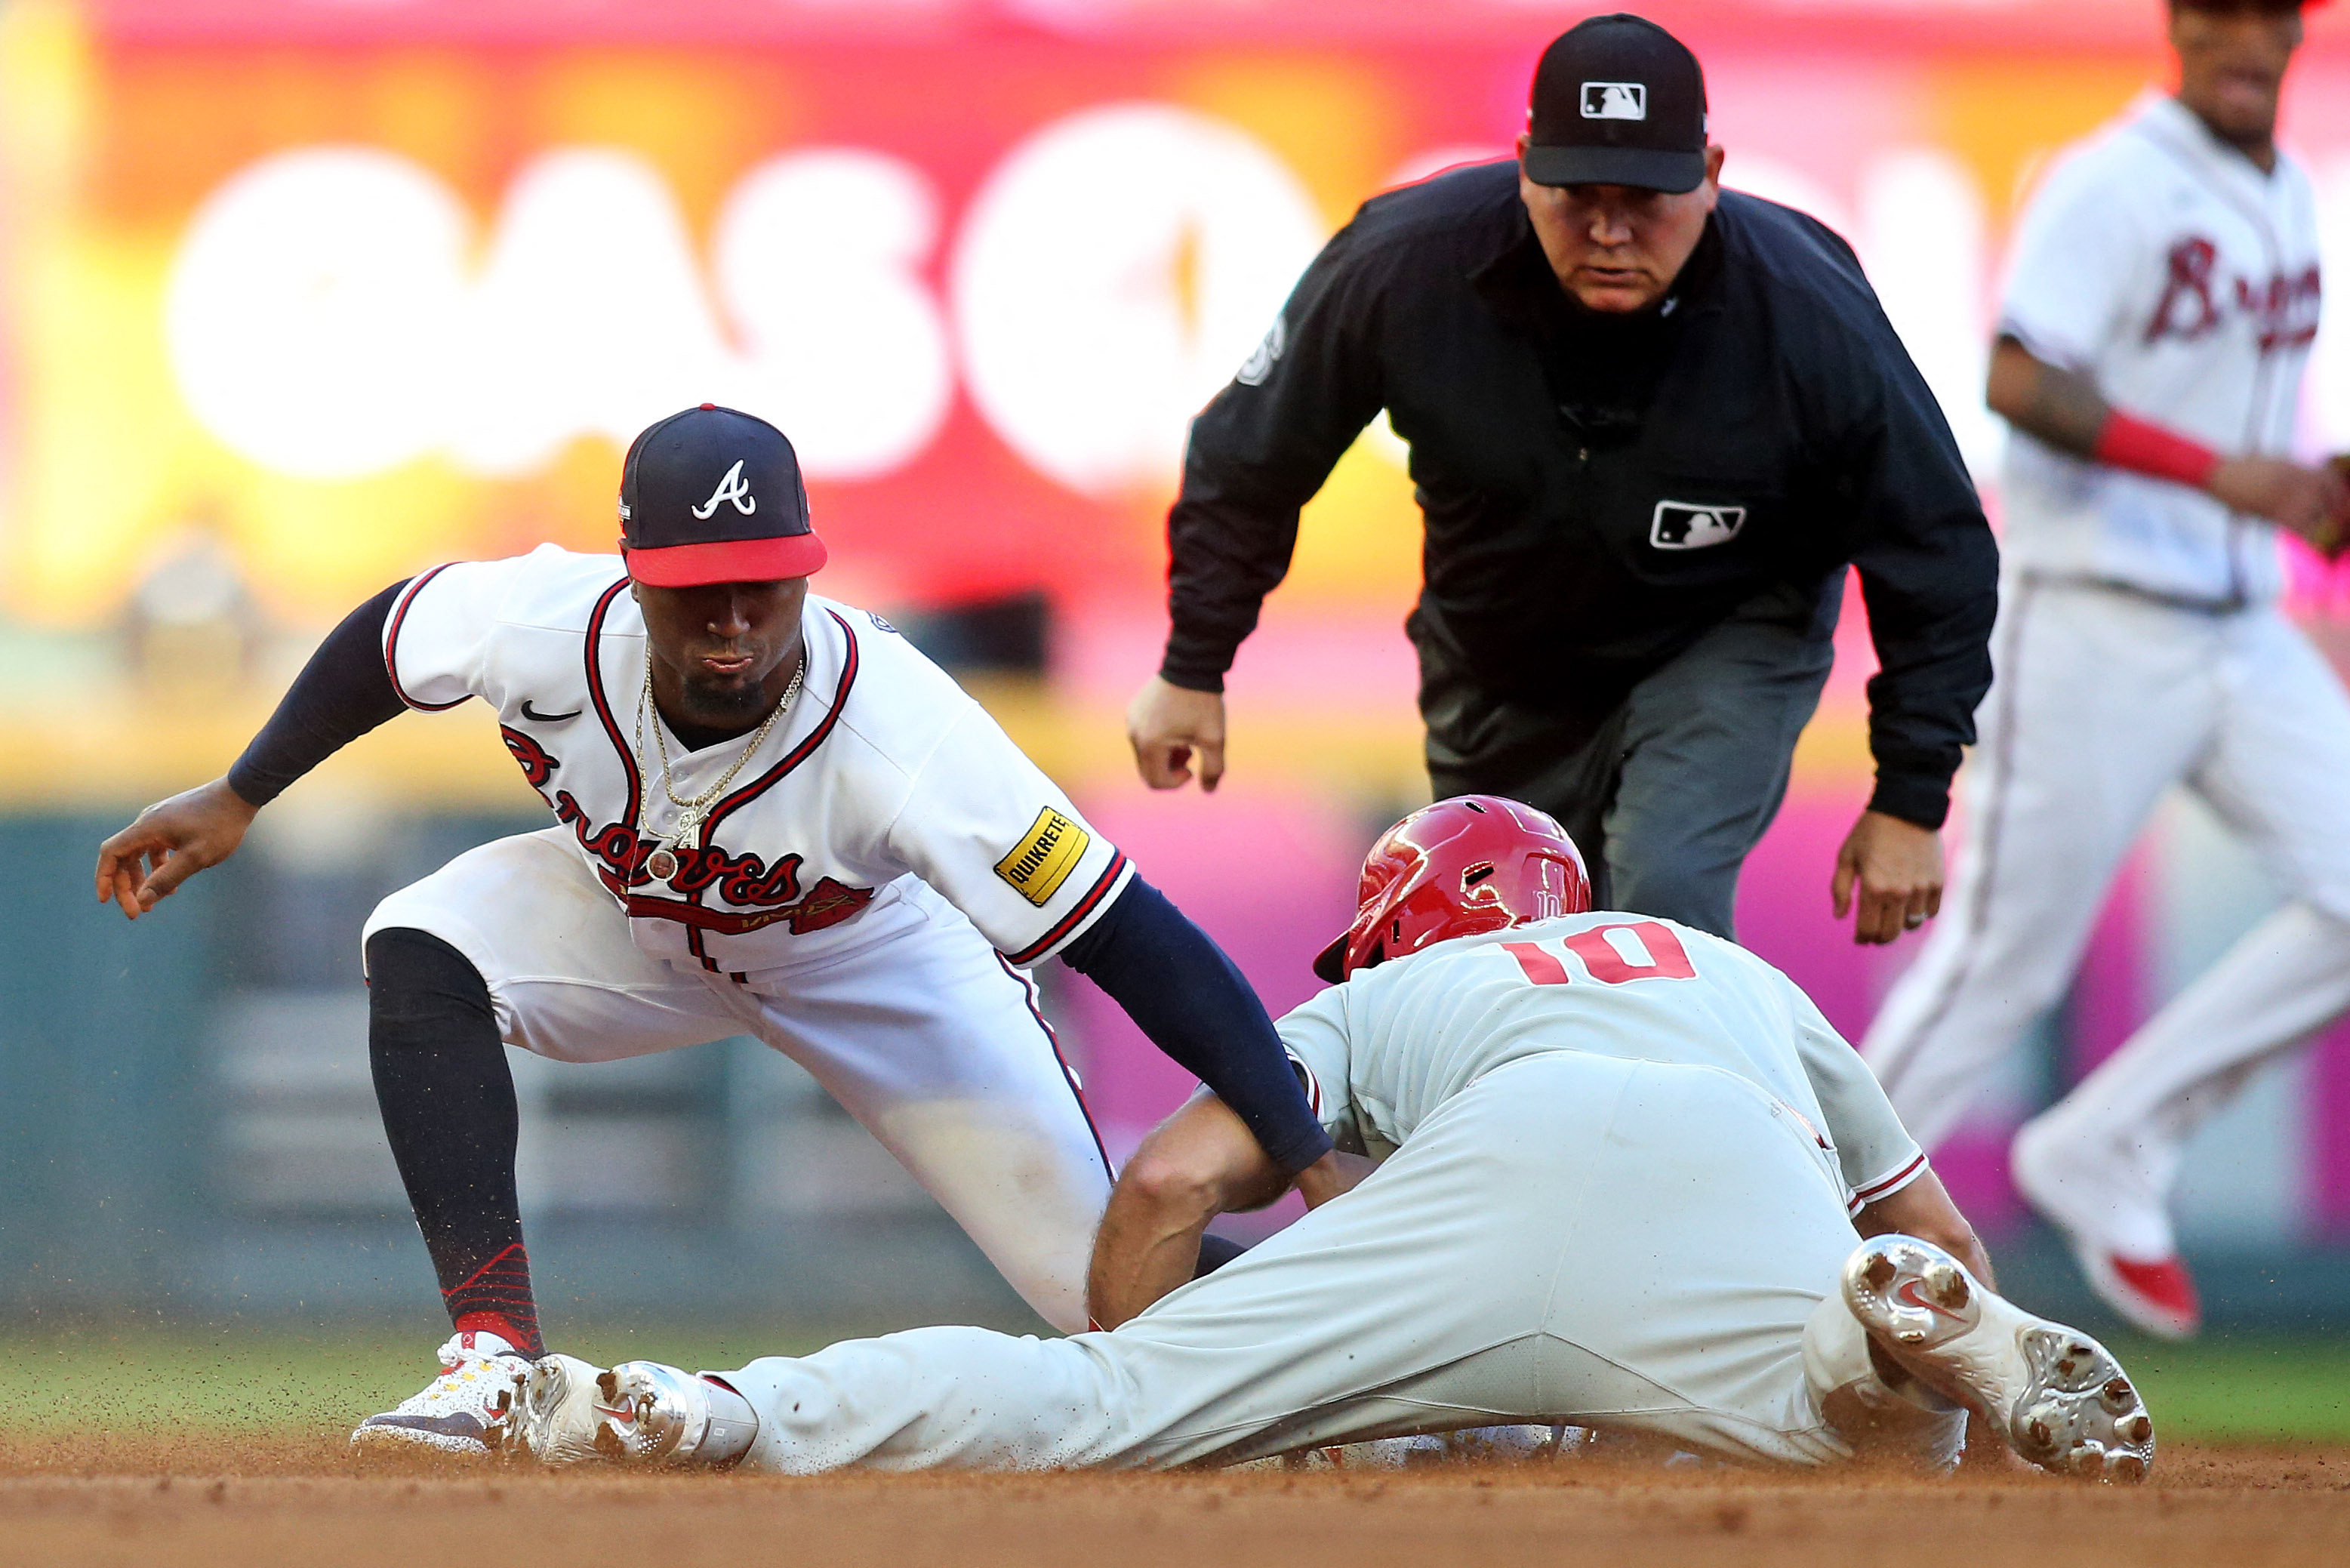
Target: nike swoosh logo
[538, 718]
[1913, 1292]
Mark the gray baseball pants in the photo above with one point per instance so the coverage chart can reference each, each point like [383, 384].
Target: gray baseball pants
[1628, 1245]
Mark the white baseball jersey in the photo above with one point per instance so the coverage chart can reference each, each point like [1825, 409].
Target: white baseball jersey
[882, 772]
[1381, 1051]
[2162, 264]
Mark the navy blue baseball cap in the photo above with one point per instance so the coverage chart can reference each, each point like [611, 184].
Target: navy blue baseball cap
[713, 495]
[1618, 100]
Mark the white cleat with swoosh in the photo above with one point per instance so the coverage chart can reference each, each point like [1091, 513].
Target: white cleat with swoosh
[2059, 1396]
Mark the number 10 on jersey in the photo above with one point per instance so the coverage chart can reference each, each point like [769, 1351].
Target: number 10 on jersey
[1640, 949]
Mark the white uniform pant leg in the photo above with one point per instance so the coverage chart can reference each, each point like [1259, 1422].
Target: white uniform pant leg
[2101, 701]
[1572, 1237]
[2278, 775]
[936, 1045]
[565, 980]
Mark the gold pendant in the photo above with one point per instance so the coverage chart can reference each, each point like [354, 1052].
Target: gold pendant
[662, 863]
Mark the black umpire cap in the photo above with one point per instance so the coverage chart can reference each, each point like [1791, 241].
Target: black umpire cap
[1618, 100]
[713, 495]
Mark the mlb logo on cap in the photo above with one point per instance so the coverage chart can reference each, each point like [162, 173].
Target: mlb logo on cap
[1614, 100]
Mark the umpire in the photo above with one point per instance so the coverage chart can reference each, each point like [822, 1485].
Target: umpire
[1651, 422]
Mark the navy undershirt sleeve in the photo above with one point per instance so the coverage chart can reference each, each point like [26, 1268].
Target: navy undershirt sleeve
[342, 693]
[1191, 1001]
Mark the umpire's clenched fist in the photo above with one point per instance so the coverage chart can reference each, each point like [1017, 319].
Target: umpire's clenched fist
[1169, 726]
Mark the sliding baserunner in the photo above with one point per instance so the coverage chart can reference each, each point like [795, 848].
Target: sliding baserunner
[1611, 1171]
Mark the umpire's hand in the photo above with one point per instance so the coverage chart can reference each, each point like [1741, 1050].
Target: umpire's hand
[1897, 867]
[171, 841]
[1169, 726]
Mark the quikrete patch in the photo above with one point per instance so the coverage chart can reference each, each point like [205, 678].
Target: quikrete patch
[1045, 856]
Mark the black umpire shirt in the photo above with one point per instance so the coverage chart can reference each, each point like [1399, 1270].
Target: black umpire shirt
[1599, 489]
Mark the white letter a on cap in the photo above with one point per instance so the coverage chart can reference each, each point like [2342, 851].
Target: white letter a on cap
[730, 488]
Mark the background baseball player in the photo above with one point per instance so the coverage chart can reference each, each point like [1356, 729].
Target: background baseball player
[1617, 1160]
[775, 817]
[2163, 297]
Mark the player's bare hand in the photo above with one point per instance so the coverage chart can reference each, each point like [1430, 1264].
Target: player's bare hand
[171, 841]
[1171, 727]
[2313, 503]
[2332, 536]
[1333, 1174]
[1892, 871]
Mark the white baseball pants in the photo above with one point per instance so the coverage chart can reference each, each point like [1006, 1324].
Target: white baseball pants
[1630, 1245]
[925, 1035]
[2103, 700]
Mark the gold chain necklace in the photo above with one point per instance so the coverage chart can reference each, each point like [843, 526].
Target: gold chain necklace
[662, 863]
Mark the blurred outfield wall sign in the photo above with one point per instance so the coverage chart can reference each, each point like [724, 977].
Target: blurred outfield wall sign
[324, 318]
[363, 290]
[327, 320]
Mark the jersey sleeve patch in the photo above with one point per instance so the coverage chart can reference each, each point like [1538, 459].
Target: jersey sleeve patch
[1045, 856]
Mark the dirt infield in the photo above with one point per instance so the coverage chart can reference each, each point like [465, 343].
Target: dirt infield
[304, 1501]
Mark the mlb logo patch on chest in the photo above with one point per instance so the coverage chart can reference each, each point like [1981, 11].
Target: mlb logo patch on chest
[1687, 525]
[1045, 856]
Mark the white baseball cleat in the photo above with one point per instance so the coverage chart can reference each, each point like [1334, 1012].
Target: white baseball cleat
[638, 1413]
[2059, 1396]
[459, 1412]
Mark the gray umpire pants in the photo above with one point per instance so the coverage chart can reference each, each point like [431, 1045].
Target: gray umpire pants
[1673, 788]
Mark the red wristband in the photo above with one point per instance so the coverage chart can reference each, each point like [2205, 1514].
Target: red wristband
[2142, 447]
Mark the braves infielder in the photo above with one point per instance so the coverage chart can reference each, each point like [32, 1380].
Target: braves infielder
[1615, 1165]
[2162, 298]
[773, 818]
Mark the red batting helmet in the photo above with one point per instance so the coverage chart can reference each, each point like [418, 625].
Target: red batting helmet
[1473, 863]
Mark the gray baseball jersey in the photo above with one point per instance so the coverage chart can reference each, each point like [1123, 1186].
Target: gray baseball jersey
[1383, 1050]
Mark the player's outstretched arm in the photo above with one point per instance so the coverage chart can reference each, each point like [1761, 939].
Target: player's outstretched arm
[171, 841]
[1194, 1004]
[344, 692]
[1201, 1162]
[2064, 408]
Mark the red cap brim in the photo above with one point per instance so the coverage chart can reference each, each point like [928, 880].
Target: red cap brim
[727, 561]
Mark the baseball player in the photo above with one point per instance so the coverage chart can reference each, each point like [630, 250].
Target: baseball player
[773, 818]
[2161, 302]
[1613, 1164]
